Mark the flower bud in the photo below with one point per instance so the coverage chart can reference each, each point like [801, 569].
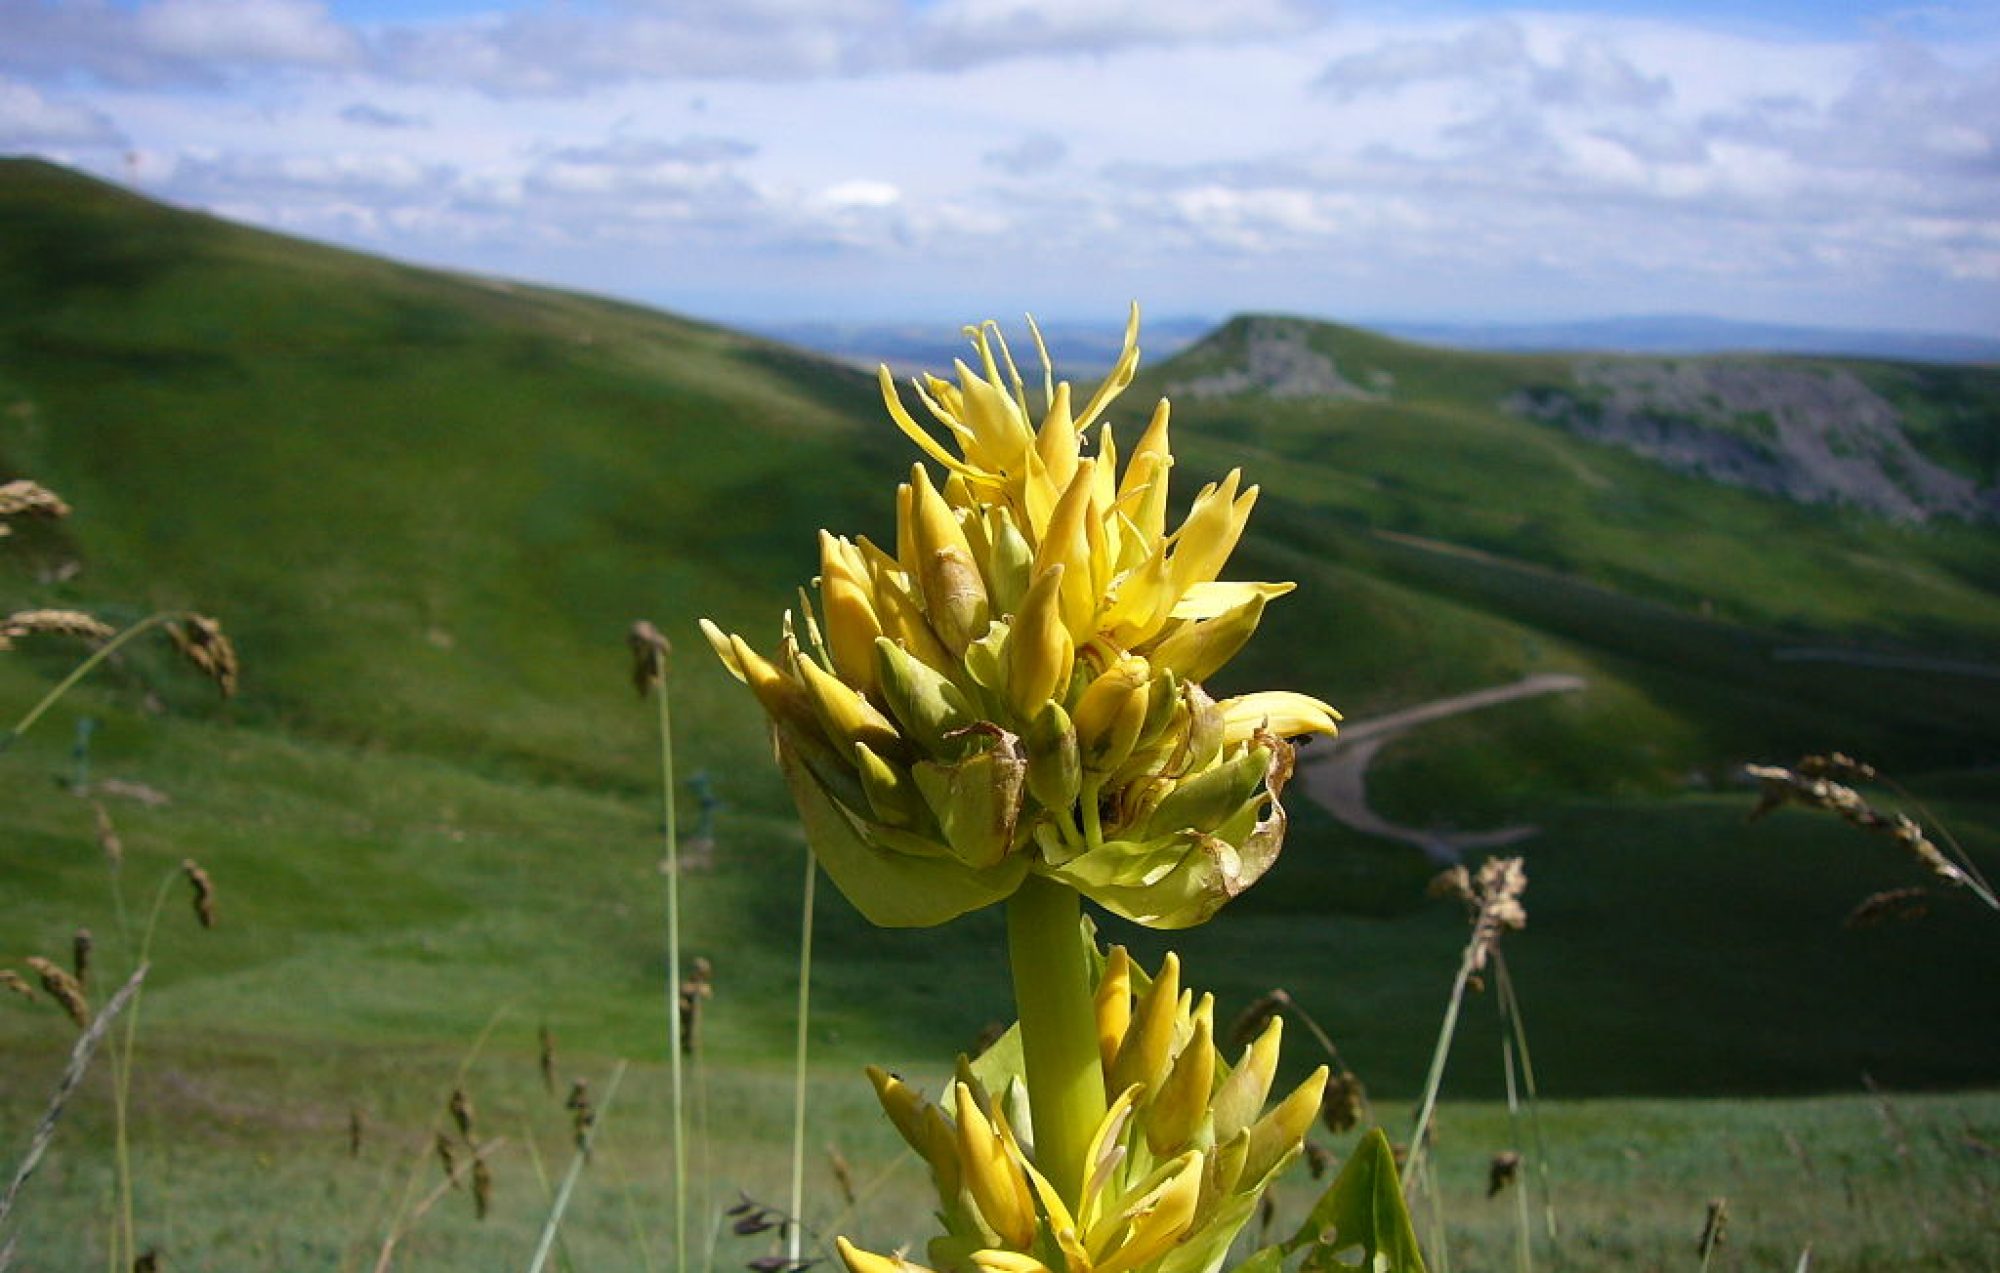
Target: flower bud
[1182, 1100]
[999, 1188]
[928, 707]
[1040, 654]
[1241, 1097]
[954, 593]
[851, 626]
[1111, 714]
[1055, 771]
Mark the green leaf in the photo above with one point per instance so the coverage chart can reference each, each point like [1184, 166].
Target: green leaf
[1269, 1260]
[1362, 1208]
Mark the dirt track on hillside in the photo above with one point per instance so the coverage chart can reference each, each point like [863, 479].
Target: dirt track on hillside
[1336, 778]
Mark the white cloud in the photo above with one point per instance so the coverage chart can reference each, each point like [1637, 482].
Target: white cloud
[27, 118]
[370, 116]
[203, 42]
[1256, 155]
[1033, 154]
[280, 32]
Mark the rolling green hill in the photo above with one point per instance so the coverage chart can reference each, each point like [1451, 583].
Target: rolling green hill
[428, 506]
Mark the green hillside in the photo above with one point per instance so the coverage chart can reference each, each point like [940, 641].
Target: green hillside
[428, 506]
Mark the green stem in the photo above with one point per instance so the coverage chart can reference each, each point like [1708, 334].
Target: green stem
[794, 1246]
[674, 1040]
[1435, 1080]
[82, 670]
[553, 1224]
[1510, 1004]
[1093, 824]
[121, 1089]
[1052, 993]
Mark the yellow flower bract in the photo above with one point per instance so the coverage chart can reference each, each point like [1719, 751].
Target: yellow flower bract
[1176, 1166]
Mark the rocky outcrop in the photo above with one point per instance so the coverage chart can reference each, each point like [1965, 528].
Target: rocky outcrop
[1278, 361]
[1815, 434]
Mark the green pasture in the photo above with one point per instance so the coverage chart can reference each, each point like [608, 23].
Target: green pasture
[427, 507]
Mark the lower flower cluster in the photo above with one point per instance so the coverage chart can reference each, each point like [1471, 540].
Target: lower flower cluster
[1174, 1171]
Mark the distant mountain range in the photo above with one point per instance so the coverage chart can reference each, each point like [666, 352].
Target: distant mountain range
[1089, 348]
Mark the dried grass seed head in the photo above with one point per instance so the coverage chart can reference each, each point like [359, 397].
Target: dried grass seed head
[447, 1157]
[461, 1112]
[1343, 1102]
[107, 837]
[1896, 905]
[1714, 1229]
[482, 1188]
[1779, 786]
[79, 948]
[204, 892]
[14, 981]
[1838, 766]
[1497, 888]
[650, 652]
[1453, 881]
[1504, 1170]
[1251, 1021]
[25, 498]
[203, 643]
[68, 623]
[63, 988]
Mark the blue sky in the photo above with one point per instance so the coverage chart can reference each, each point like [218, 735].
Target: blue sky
[1835, 164]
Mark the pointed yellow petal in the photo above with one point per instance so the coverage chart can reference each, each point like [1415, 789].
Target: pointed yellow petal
[1206, 600]
[1279, 712]
[911, 429]
[860, 1261]
[724, 645]
[998, 1188]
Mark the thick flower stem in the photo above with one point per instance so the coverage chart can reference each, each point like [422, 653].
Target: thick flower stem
[1052, 993]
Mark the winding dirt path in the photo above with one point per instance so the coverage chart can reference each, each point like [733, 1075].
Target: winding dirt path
[1336, 778]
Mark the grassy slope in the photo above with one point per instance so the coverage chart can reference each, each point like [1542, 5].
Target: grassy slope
[427, 507]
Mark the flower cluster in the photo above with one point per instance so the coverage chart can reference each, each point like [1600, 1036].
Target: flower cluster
[1176, 1167]
[1015, 684]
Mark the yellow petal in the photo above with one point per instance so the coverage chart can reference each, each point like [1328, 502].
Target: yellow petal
[1279, 712]
[911, 429]
[998, 1188]
[1206, 600]
[860, 1261]
[1160, 1217]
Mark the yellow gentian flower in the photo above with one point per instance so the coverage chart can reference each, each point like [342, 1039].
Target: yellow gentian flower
[1018, 685]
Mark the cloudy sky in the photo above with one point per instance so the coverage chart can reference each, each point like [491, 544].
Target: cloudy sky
[1833, 163]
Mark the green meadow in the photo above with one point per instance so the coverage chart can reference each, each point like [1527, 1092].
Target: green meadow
[427, 507]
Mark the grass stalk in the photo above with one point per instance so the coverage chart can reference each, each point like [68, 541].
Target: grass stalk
[671, 830]
[401, 1218]
[712, 1226]
[84, 669]
[121, 1088]
[543, 1183]
[1510, 1007]
[795, 1233]
[1440, 1247]
[80, 1055]
[1975, 880]
[1419, 1138]
[1524, 1243]
[553, 1224]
